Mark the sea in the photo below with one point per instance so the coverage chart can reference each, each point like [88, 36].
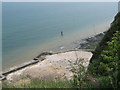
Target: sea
[29, 28]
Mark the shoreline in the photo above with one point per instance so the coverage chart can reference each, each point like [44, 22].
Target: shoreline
[81, 42]
[70, 44]
[77, 45]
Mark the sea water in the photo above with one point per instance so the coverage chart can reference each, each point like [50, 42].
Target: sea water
[28, 28]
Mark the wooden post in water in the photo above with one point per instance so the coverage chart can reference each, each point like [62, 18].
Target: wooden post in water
[62, 33]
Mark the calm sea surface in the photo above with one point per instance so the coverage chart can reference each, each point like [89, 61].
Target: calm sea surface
[29, 28]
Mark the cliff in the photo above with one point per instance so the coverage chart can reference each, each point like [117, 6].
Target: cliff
[115, 26]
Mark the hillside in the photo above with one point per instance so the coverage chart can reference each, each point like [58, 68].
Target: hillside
[115, 26]
[105, 62]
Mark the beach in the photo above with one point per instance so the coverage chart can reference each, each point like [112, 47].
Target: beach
[53, 67]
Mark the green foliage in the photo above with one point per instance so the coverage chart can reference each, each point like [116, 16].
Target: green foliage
[104, 82]
[115, 26]
[106, 58]
[109, 66]
[79, 75]
[78, 71]
[111, 56]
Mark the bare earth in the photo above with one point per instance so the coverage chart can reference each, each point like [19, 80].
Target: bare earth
[53, 67]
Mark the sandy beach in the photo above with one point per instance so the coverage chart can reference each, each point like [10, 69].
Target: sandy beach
[53, 67]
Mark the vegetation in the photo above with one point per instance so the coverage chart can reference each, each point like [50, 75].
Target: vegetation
[115, 26]
[104, 68]
[109, 68]
[79, 73]
[40, 84]
[105, 63]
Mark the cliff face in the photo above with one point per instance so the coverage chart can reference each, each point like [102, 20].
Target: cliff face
[115, 26]
[119, 6]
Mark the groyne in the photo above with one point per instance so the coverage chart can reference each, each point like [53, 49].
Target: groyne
[4, 74]
[35, 60]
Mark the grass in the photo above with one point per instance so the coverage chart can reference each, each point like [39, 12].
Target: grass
[41, 84]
